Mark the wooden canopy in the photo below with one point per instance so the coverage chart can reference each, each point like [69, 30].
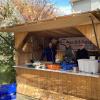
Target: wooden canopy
[65, 26]
[55, 23]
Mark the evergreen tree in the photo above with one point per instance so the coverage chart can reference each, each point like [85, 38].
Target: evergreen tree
[7, 72]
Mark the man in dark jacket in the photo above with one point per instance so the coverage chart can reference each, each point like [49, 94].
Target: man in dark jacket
[49, 53]
[82, 53]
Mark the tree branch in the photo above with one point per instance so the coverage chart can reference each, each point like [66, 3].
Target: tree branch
[7, 42]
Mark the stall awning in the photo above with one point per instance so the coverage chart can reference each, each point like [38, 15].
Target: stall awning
[56, 23]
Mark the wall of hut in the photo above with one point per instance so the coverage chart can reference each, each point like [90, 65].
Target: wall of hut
[31, 49]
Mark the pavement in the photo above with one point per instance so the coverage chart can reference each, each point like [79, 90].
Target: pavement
[23, 97]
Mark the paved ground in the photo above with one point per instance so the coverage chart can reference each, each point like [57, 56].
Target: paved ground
[22, 97]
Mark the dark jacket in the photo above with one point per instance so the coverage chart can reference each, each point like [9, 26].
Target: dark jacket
[82, 54]
[69, 56]
[49, 54]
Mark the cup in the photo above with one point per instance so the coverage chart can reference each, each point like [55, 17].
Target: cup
[74, 69]
[92, 57]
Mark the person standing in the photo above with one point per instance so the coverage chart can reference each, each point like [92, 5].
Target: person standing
[49, 53]
[82, 53]
[69, 53]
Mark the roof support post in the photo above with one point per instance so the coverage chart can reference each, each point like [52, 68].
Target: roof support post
[94, 29]
[19, 38]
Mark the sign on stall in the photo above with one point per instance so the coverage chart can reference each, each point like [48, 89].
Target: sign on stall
[75, 43]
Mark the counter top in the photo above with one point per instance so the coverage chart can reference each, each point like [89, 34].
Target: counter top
[62, 71]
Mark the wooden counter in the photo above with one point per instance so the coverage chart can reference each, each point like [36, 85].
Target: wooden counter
[57, 85]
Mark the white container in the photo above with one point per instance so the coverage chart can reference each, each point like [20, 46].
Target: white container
[93, 66]
[92, 57]
[82, 64]
[88, 65]
[74, 69]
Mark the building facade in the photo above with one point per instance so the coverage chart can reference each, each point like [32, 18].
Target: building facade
[85, 5]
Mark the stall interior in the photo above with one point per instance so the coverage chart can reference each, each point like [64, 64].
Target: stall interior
[35, 53]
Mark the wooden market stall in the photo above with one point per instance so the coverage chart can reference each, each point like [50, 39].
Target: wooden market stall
[55, 84]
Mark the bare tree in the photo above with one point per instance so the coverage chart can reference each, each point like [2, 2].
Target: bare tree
[8, 14]
[34, 10]
[21, 11]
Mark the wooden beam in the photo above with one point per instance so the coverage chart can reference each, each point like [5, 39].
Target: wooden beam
[19, 38]
[56, 23]
[60, 33]
[88, 32]
[98, 33]
[72, 31]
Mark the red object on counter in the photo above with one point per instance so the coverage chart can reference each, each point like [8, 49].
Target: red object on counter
[53, 66]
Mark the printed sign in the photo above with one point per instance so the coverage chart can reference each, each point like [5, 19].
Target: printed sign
[75, 43]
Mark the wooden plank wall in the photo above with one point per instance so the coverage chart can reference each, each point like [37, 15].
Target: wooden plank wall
[55, 86]
[28, 46]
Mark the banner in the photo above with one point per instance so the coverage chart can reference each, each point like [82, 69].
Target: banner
[75, 43]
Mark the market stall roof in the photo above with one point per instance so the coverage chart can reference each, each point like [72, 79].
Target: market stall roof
[64, 23]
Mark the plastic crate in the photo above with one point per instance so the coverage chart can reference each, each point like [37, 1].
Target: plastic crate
[8, 97]
[8, 89]
[88, 66]
[8, 92]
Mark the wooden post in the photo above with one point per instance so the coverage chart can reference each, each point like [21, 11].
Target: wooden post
[19, 38]
[98, 33]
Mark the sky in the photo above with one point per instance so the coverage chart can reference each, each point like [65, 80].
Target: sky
[63, 5]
